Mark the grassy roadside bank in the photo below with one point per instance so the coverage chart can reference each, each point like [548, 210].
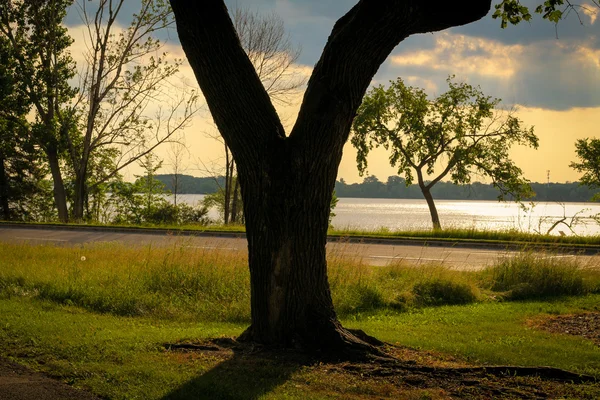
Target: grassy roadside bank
[98, 317]
[450, 234]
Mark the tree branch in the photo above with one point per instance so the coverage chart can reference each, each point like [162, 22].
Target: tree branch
[235, 96]
[359, 43]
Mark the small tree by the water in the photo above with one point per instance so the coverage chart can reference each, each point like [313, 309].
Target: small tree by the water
[588, 154]
[460, 132]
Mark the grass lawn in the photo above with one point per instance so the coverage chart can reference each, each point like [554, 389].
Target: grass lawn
[99, 317]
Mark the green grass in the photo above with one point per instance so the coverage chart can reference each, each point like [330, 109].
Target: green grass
[490, 333]
[471, 234]
[117, 357]
[98, 316]
[176, 282]
[185, 283]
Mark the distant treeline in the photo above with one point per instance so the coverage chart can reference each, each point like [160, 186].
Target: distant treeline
[191, 184]
[395, 188]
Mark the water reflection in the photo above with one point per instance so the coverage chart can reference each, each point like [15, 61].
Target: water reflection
[408, 214]
[405, 214]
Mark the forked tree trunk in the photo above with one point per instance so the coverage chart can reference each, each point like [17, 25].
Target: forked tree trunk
[60, 196]
[287, 181]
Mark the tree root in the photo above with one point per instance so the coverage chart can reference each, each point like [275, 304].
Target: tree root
[333, 343]
[357, 352]
[373, 341]
[546, 373]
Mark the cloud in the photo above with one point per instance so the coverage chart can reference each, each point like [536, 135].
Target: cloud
[591, 11]
[553, 74]
[470, 56]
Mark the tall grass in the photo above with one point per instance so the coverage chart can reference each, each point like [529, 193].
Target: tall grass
[531, 276]
[186, 283]
[176, 282]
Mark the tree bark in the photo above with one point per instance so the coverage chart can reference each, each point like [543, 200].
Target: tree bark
[227, 189]
[291, 302]
[435, 218]
[4, 190]
[80, 196]
[426, 190]
[287, 181]
[60, 196]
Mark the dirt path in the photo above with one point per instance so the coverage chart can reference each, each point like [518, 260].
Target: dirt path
[20, 383]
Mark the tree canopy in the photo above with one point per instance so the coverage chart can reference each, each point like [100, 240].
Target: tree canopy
[457, 135]
[588, 152]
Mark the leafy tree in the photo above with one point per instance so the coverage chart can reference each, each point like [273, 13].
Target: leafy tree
[287, 181]
[21, 166]
[100, 164]
[142, 201]
[21, 175]
[588, 152]
[39, 46]
[145, 200]
[151, 189]
[125, 74]
[229, 206]
[460, 132]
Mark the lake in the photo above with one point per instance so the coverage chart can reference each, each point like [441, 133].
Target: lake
[413, 214]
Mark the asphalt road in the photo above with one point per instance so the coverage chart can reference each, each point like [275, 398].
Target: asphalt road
[372, 254]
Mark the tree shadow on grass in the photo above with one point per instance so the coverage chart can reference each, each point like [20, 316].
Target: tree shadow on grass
[244, 375]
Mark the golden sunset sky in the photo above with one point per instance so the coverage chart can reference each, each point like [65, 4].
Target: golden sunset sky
[553, 82]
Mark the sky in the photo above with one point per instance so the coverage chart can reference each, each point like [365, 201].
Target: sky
[550, 74]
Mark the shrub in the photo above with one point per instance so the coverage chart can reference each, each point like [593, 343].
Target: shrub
[358, 297]
[530, 276]
[161, 213]
[192, 215]
[443, 292]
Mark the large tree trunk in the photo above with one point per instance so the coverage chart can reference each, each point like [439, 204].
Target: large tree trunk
[287, 181]
[286, 226]
[4, 190]
[60, 196]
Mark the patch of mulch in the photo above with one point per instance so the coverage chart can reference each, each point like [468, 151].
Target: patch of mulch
[406, 370]
[585, 325]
